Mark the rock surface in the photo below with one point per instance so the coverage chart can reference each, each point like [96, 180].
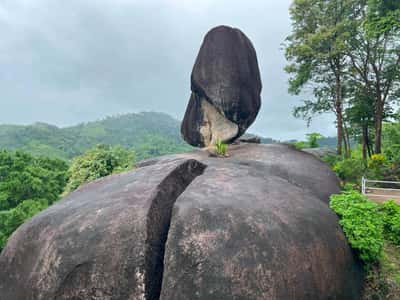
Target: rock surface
[226, 87]
[255, 225]
[250, 138]
[321, 151]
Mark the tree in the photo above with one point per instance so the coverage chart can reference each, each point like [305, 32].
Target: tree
[373, 50]
[360, 114]
[28, 185]
[348, 51]
[315, 51]
[97, 162]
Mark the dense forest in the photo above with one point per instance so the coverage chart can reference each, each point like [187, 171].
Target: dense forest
[148, 133]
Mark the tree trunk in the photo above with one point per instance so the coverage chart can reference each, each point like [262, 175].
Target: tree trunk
[340, 135]
[339, 113]
[347, 139]
[364, 140]
[378, 125]
[345, 144]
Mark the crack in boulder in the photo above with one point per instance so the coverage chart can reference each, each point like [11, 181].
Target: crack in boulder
[159, 220]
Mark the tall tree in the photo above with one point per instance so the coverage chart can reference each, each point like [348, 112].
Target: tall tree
[373, 49]
[359, 114]
[316, 54]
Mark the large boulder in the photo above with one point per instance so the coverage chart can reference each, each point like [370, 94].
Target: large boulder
[255, 225]
[226, 89]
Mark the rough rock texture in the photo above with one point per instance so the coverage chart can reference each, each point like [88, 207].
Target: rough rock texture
[250, 138]
[226, 89]
[104, 241]
[321, 152]
[255, 225]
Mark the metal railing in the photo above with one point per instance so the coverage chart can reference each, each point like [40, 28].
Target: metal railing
[365, 189]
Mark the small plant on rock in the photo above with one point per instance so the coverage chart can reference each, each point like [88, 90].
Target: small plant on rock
[221, 147]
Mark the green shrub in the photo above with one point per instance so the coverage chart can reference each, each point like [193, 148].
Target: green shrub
[377, 167]
[312, 139]
[300, 145]
[221, 147]
[350, 170]
[331, 159]
[98, 162]
[11, 219]
[362, 224]
[390, 212]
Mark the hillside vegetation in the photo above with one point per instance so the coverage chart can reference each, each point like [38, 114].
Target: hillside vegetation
[148, 133]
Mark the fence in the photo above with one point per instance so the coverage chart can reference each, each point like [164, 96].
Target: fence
[375, 190]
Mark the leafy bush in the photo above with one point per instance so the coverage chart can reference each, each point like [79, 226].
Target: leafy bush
[300, 145]
[361, 223]
[331, 159]
[377, 166]
[350, 169]
[390, 212]
[221, 147]
[97, 162]
[11, 219]
[312, 139]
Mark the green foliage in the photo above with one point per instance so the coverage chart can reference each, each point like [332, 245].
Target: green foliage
[390, 212]
[350, 169]
[377, 166]
[366, 224]
[385, 166]
[27, 185]
[391, 142]
[300, 145]
[345, 55]
[331, 159]
[150, 134]
[24, 177]
[383, 16]
[361, 223]
[221, 147]
[312, 139]
[97, 162]
[11, 219]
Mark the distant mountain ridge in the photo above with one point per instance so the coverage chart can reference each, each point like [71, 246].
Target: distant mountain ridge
[148, 133]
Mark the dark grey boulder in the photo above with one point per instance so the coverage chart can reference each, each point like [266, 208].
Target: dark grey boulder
[104, 241]
[255, 225]
[226, 87]
[244, 233]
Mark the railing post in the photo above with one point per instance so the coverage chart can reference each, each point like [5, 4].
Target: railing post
[363, 185]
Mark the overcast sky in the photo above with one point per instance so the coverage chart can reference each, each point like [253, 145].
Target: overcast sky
[65, 62]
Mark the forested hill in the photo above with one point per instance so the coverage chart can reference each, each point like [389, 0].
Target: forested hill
[148, 133]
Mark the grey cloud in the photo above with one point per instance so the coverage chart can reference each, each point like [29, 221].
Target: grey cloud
[65, 62]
